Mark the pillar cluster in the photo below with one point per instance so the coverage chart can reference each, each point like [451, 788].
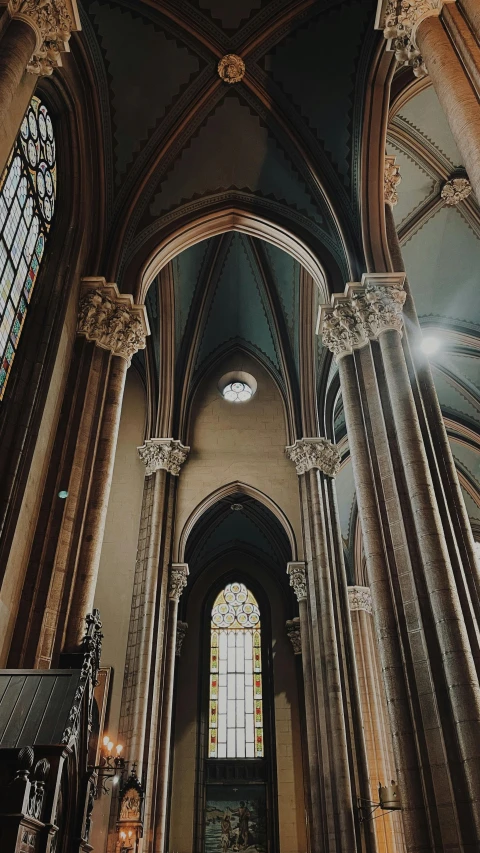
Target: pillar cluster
[424, 606]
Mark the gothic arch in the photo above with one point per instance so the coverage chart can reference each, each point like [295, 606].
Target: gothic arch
[223, 492]
[213, 223]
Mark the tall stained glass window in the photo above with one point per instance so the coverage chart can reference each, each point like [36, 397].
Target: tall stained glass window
[27, 202]
[236, 707]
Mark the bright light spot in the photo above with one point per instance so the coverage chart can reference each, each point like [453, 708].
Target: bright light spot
[115, 780]
[430, 344]
[63, 494]
[237, 392]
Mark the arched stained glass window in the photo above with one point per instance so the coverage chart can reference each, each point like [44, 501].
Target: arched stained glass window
[27, 202]
[236, 707]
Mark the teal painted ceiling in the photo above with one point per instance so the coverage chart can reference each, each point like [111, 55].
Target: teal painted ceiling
[235, 292]
[285, 140]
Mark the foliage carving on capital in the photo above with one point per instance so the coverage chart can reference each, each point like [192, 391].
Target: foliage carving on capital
[294, 635]
[360, 598]
[182, 628]
[177, 580]
[53, 21]
[341, 330]
[111, 319]
[391, 180]
[168, 454]
[379, 304]
[308, 453]
[298, 579]
[399, 20]
[455, 190]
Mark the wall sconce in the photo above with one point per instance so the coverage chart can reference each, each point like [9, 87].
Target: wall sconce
[112, 766]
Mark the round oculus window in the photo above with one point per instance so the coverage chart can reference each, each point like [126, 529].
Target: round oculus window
[237, 392]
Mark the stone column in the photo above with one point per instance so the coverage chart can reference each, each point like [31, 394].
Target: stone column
[34, 36]
[161, 457]
[378, 740]
[454, 516]
[336, 704]
[118, 327]
[298, 581]
[177, 583]
[421, 626]
[416, 32]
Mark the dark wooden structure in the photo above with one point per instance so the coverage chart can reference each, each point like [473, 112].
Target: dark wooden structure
[48, 746]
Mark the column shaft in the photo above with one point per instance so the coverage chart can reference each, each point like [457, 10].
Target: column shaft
[16, 49]
[389, 830]
[89, 557]
[455, 521]
[390, 647]
[339, 830]
[163, 759]
[311, 731]
[88, 397]
[454, 91]
[144, 639]
[461, 687]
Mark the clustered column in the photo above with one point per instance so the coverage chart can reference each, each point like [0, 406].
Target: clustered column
[110, 330]
[378, 739]
[425, 620]
[145, 697]
[334, 733]
[177, 583]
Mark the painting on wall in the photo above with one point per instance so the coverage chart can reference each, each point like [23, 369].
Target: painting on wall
[235, 819]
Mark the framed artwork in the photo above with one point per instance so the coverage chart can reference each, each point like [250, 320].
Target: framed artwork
[235, 819]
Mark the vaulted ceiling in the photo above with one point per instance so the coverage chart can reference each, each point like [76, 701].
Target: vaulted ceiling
[285, 140]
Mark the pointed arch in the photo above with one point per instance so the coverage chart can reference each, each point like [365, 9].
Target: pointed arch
[226, 491]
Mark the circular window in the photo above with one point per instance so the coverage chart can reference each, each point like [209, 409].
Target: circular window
[237, 392]
[237, 387]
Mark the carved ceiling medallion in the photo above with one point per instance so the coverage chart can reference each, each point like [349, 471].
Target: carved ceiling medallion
[456, 190]
[231, 68]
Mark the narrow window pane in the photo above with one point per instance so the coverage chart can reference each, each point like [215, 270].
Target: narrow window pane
[231, 744]
[236, 714]
[240, 686]
[240, 743]
[27, 202]
[231, 713]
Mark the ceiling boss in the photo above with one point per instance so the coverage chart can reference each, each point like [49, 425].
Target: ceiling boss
[231, 68]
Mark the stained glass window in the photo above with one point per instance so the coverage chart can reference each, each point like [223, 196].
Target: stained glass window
[236, 706]
[27, 201]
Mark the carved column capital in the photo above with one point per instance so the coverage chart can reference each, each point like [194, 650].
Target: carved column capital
[340, 327]
[399, 20]
[166, 453]
[391, 180]
[378, 302]
[294, 635]
[360, 598]
[111, 319]
[182, 628]
[363, 312]
[308, 453]
[298, 579]
[455, 190]
[177, 580]
[53, 21]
